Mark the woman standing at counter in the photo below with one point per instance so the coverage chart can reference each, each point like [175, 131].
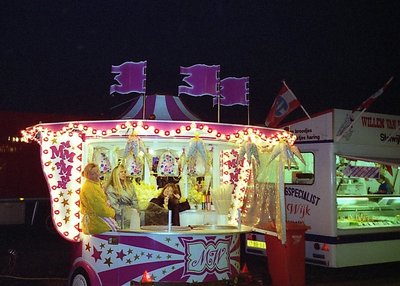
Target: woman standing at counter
[121, 195]
[98, 216]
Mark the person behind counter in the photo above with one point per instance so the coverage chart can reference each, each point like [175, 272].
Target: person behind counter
[169, 199]
[121, 195]
[98, 215]
[385, 186]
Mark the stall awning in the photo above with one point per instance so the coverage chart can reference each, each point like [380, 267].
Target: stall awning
[163, 107]
[383, 161]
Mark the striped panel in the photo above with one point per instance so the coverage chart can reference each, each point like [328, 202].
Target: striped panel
[362, 172]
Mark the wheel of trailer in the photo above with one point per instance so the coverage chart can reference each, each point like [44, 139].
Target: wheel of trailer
[80, 278]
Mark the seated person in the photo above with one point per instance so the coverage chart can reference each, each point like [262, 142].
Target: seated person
[385, 186]
[97, 214]
[121, 195]
[169, 199]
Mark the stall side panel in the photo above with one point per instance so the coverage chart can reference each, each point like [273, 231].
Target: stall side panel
[310, 198]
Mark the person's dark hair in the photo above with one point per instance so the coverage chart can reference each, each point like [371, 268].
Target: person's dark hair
[176, 190]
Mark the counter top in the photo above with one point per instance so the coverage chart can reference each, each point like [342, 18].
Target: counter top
[195, 229]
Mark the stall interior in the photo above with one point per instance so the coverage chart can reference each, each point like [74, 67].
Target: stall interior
[151, 165]
[367, 194]
[211, 168]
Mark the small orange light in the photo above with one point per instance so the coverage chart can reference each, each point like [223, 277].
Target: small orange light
[146, 278]
[325, 247]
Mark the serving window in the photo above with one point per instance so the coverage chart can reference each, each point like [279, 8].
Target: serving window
[301, 172]
[358, 176]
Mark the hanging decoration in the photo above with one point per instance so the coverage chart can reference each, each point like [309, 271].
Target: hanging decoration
[286, 152]
[134, 155]
[249, 149]
[134, 166]
[168, 165]
[297, 153]
[197, 158]
[134, 145]
[182, 162]
[100, 157]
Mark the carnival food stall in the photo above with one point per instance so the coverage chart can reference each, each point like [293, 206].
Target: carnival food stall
[217, 167]
[348, 191]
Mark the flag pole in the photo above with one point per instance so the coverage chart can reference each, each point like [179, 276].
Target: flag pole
[248, 114]
[219, 107]
[144, 94]
[144, 106]
[218, 102]
[386, 84]
[364, 105]
[391, 134]
[309, 117]
[248, 110]
[248, 106]
[301, 106]
[340, 136]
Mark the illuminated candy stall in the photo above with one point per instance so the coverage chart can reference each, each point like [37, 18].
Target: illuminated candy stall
[227, 162]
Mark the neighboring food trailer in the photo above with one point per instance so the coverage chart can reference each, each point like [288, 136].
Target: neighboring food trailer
[201, 157]
[347, 190]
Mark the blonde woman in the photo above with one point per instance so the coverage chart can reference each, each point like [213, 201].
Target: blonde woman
[121, 195]
[98, 216]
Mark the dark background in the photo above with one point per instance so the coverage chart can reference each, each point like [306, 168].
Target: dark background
[56, 56]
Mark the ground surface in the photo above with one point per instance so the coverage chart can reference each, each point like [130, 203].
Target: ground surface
[31, 255]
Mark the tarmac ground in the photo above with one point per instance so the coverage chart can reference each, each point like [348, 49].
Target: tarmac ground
[31, 255]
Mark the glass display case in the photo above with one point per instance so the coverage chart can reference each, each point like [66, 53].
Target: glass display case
[366, 196]
[368, 212]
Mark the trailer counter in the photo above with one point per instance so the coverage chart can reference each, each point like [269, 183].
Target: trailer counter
[202, 253]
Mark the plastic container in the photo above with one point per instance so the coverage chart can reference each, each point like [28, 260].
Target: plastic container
[135, 220]
[286, 262]
[191, 217]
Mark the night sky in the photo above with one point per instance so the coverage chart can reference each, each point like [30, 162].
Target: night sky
[56, 56]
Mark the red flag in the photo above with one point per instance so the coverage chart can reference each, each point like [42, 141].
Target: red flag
[284, 103]
[370, 100]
